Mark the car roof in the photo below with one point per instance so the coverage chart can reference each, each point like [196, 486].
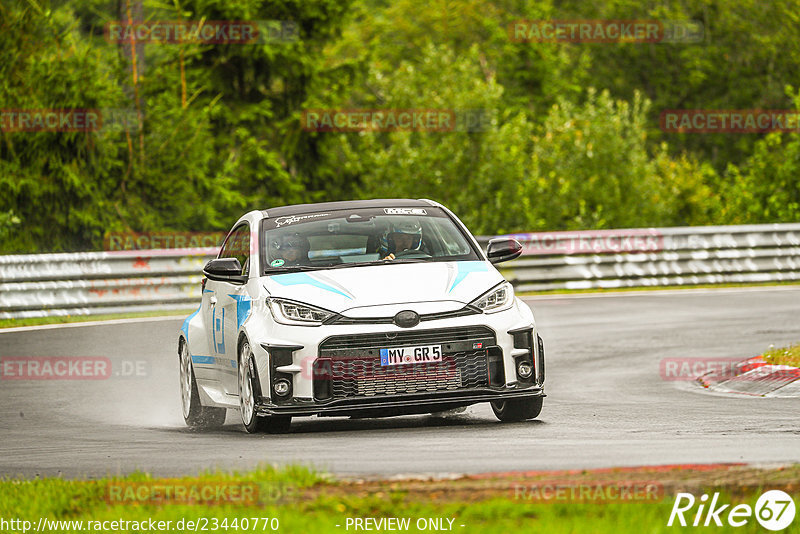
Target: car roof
[296, 209]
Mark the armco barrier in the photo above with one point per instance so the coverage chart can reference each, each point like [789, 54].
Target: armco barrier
[86, 283]
[656, 257]
[105, 282]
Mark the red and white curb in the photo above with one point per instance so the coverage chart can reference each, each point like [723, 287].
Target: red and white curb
[754, 377]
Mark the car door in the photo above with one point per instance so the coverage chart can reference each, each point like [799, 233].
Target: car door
[226, 303]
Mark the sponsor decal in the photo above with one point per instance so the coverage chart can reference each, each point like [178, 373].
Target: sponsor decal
[283, 221]
[293, 279]
[405, 211]
[462, 269]
[277, 263]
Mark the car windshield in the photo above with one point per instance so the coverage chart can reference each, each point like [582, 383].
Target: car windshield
[349, 238]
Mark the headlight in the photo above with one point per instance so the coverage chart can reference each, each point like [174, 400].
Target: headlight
[497, 299]
[296, 313]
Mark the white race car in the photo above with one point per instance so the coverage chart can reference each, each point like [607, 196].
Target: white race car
[367, 308]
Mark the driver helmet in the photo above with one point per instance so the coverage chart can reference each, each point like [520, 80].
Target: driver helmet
[293, 240]
[402, 226]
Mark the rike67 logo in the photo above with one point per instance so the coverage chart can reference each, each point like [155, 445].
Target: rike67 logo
[774, 510]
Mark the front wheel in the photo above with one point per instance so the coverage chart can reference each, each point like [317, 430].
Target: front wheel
[517, 409]
[195, 414]
[249, 391]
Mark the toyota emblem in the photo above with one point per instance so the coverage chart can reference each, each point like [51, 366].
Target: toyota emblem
[406, 319]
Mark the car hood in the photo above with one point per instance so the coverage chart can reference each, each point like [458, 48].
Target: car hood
[381, 290]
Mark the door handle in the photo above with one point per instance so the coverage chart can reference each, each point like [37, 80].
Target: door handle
[213, 300]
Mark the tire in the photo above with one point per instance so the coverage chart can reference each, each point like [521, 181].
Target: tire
[509, 411]
[195, 415]
[249, 391]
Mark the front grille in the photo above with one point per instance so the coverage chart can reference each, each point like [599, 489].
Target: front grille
[404, 338]
[463, 312]
[349, 366]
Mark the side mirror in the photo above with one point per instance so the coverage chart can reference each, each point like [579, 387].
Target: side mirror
[503, 249]
[225, 270]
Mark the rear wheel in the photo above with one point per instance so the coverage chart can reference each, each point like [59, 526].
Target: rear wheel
[517, 409]
[195, 414]
[249, 391]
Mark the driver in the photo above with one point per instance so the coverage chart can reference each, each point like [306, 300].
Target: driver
[292, 250]
[401, 236]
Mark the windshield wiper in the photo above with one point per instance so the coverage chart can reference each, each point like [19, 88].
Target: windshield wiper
[355, 264]
[291, 269]
[377, 262]
[298, 268]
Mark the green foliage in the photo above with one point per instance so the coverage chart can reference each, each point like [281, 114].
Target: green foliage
[302, 500]
[198, 150]
[214, 130]
[766, 187]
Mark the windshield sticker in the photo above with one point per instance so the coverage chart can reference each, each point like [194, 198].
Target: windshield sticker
[405, 211]
[277, 263]
[281, 221]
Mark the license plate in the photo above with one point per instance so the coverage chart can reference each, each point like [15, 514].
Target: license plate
[411, 355]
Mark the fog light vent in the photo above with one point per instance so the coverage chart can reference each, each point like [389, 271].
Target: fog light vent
[524, 369]
[282, 387]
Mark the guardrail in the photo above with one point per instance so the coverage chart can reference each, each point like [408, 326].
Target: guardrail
[88, 283]
[609, 259]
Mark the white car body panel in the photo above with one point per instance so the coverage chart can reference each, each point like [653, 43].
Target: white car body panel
[213, 332]
[442, 285]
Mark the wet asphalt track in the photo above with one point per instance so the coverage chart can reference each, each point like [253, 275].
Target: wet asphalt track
[607, 404]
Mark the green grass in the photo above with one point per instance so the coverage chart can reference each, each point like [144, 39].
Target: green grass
[34, 321]
[784, 355]
[305, 502]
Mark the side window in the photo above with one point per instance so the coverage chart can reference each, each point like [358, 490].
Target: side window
[454, 243]
[238, 246]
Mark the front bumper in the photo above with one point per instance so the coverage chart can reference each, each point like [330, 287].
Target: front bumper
[396, 404]
[292, 353]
